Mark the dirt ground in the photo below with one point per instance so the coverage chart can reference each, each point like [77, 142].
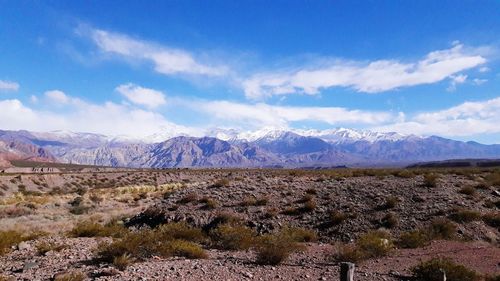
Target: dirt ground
[265, 200]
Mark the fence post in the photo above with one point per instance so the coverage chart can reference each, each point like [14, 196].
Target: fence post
[346, 271]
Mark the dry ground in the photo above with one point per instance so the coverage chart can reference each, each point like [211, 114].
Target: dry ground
[338, 205]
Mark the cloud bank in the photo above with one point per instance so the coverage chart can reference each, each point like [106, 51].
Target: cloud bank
[366, 77]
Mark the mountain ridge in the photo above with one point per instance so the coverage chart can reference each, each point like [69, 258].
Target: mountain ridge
[264, 148]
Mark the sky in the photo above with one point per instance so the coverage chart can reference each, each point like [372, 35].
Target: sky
[139, 68]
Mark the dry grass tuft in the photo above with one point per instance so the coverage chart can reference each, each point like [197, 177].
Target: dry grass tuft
[432, 271]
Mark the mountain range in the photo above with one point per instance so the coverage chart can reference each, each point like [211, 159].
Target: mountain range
[230, 148]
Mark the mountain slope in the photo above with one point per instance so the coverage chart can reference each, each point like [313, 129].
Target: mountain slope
[265, 148]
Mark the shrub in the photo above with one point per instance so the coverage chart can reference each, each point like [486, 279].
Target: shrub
[273, 249]
[232, 237]
[374, 244]
[298, 234]
[261, 201]
[189, 250]
[91, 229]
[309, 206]
[404, 174]
[441, 228]
[432, 271]
[311, 191]
[191, 197]
[413, 239]
[144, 244]
[71, 276]
[492, 219]
[221, 183]
[390, 203]
[270, 213]
[468, 190]
[390, 220]
[493, 179]
[337, 217]
[181, 231]
[121, 262]
[349, 253]
[463, 215]
[430, 180]
[43, 247]
[10, 238]
[14, 212]
[291, 211]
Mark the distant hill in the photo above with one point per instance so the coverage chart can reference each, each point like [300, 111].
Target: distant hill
[482, 163]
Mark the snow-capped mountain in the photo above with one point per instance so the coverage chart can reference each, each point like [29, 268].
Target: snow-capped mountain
[268, 147]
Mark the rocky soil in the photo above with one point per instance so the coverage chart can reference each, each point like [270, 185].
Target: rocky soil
[265, 200]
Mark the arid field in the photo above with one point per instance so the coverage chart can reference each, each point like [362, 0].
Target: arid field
[83, 223]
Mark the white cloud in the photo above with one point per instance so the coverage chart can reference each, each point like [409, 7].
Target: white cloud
[166, 60]
[8, 86]
[484, 69]
[57, 96]
[478, 81]
[371, 77]
[108, 119]
[456, 80]
[143, 96]
[466, 119]
[261, 114]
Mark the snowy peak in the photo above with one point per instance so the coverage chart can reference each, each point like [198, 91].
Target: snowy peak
[344, 135]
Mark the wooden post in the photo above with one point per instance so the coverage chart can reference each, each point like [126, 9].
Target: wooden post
[346, 271]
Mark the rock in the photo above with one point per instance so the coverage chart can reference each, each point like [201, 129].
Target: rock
[23, 246]
[29, 265]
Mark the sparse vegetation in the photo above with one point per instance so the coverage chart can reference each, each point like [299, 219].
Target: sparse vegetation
[464, 215]
[390, 203]
[71, 276]
[468, 190]
[413, 239]
[492, 219]
[144, 244]
[433, 269]
[232, 237]
[373, 244]
[337, 217]
[91, 229]
[273, 249]
[44, 247]
[442, 228]
[431, 179]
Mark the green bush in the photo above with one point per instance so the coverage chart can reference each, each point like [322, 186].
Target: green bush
[432, 271]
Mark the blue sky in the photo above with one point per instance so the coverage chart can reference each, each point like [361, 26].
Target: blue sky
[131, 68]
